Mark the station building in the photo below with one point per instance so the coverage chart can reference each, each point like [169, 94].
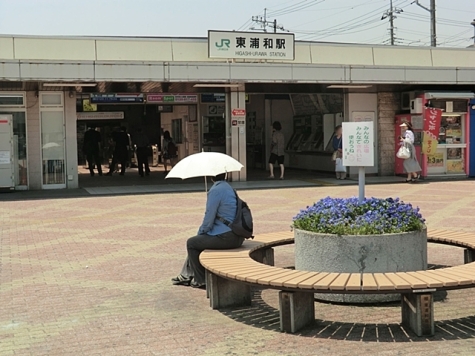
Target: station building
[222, 94]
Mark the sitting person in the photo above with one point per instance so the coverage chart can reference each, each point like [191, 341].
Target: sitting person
[213, 233]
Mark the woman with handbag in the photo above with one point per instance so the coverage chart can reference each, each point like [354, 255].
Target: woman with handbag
[337, 156]
[411, 165]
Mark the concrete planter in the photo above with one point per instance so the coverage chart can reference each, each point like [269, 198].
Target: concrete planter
[367, 253]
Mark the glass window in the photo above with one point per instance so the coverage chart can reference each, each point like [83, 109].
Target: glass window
[11, 99]
[51, 99]
[19, 146]
[52, 147]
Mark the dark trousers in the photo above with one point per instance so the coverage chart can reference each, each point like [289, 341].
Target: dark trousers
[94, 159]
[118, 157]
[197, 244]
[142, 160]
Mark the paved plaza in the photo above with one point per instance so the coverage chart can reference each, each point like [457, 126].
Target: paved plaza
[91, 276]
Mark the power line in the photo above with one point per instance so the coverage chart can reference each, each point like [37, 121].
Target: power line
[265, 24]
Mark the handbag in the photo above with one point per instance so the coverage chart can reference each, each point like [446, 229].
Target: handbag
[334, 156]
[339, 167]
[403, 153]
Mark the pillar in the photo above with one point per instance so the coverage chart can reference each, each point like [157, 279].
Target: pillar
[33, 136]
[225, 293]
[297, 310]
[418, 313]
[70, 131]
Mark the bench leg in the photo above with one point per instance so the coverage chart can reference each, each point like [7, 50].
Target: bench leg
[469, 255]
[297, 310]
[208, 282]
[265, 256]
[224, 293]
[418, 313]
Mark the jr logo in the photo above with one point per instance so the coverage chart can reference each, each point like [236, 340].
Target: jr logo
[224, 45]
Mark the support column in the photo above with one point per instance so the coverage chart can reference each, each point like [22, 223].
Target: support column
[265, 256]
[238, 147]
[70, 132]
[297, 310]
[225, 293]
[33, 136]
[418, 313]
[469, 255]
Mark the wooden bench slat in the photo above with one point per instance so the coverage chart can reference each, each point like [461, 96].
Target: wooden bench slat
[253, 277]
[294, 282]
[447, 281]
[461, 280]
[398, 282]
[426, 278]
[384, 283]
[325, 282]
[279, 281]
[308, 284]
[266, 280]
[464, 273]
[354, 282]
[369, 283]
[339, 283]
[414, 281]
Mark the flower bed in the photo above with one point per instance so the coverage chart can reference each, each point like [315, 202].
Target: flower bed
[345, 236]
[350, 217]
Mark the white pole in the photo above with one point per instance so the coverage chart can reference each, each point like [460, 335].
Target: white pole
[206, 185]
[361, 183]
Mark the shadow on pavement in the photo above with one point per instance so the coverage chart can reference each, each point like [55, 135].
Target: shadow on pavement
[263, 316]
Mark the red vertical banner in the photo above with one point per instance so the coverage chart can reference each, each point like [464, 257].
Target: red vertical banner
[432, 118]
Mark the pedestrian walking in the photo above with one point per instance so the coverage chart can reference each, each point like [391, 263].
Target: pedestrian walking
[91, 149]
[121, 151]
[169, 151]
[411, 165]
[277, 150]
[143, 146]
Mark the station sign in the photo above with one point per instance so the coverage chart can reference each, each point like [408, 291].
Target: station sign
[213, 98]
[116, 98]
[172, 98]
[251, 45]
[112, 115]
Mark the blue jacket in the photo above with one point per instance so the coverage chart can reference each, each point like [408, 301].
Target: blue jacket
[221, 201]
[337, 143]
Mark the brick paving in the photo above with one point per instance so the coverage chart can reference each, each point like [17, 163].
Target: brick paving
[91, 276]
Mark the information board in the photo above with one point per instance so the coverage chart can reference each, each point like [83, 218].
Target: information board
[358, 144]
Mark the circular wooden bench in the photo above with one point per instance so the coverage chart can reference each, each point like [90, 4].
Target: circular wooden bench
[231, 273]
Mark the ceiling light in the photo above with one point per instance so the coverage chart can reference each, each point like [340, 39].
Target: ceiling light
[69, 84]
[348, 86]
[217, 85]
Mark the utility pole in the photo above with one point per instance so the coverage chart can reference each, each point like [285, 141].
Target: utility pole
[262, 20]
[390, 14]
[473, 24]
[431, 10]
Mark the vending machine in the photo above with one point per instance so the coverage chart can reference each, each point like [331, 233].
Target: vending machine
[417, 124]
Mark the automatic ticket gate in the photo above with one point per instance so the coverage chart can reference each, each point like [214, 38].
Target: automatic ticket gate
[7, 176]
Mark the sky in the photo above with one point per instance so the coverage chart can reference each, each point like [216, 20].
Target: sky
[348, 21]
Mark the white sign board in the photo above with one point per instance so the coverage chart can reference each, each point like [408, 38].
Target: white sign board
[111, 115]
[4, 157]
[238, 117]
[251, 45]
[358, 144]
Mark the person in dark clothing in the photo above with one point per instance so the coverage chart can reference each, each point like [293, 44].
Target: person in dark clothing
[121, 151]
[91, 148]
[142, 143]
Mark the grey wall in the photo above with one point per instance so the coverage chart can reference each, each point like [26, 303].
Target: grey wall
[388, 107]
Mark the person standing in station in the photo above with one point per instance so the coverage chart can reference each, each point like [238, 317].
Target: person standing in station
[337, 157]
[142, 144]
[277, 150]
[92, 148]
[121, 151]
[169, 151]
[411, 165]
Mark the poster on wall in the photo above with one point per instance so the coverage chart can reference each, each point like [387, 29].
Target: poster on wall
[4, 157]
[435, 160]
[455, 166]
[358, 144]
[362, 116]
[430, 140]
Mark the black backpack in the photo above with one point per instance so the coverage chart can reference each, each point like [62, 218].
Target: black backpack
[242, 225]
[172, 150]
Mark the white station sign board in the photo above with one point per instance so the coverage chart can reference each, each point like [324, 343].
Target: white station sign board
[358, 144]
[251, 45]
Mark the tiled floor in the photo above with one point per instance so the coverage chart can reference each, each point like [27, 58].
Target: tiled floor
[91, 276]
